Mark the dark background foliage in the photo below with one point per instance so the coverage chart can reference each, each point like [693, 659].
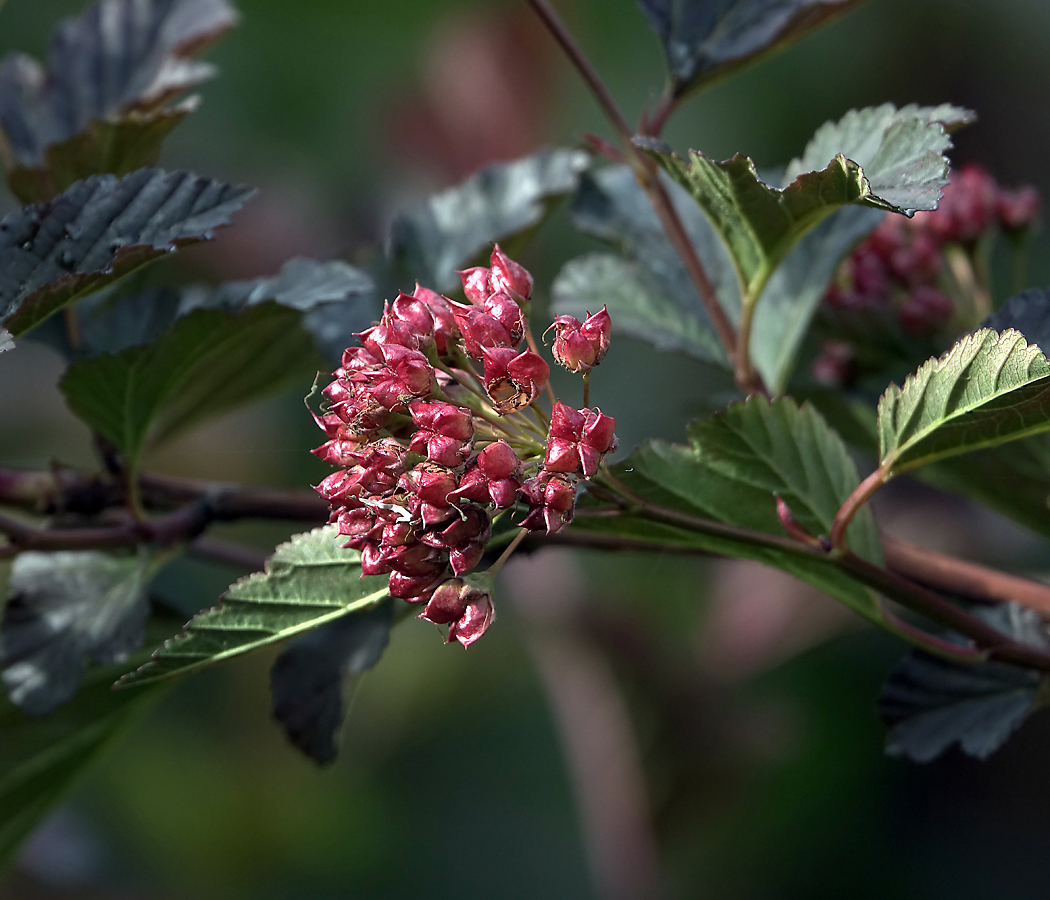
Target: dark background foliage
[755, 722]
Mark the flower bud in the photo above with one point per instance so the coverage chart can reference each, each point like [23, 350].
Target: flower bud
[580, 346]
[552, 500]
[444, 432]
[507, 275]
[578, 439]
[465, 605]
[512, 379]
[475, 283]
[481, 329]
[440, 308]
[414, 588]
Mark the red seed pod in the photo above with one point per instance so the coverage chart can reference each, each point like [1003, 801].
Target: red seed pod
[406, 376]
[512, 379]
[415, 315]
[414, 588]
[580, 346]
[444, 432]
[552, 500]
[507, 275]
[480, 329]
[440, 308]
[578, 439]
[475, 283]
[501, 306]
[464, 606]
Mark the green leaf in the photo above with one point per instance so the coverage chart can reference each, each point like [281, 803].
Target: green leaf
[119, 148]
[931, 703]
[901, 150]
[309, 581]
[41, 758]
[705, 41]
[101, 105]
[637, 303]
[66, 608]
[1027, 312]
[793, 293]
[100, 230]
[494, 204]
[656, 300]
[223, 348]
[898, 166]
[314, 679]
[739, 461]
[987, 390]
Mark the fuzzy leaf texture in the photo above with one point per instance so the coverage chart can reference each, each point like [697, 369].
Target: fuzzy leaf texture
[738, 462]
[931, 703]
[184, 357]
[760, 223]
[309, 581]
[314, 679]
[102, 103]
[100, 230]
[988, 389]
[705, 40]
[42, 758]
[65, 609]
[498, 202]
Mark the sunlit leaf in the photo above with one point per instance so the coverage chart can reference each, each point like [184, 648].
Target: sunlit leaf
[101, 105]
[931, 703]
[705, 40]
[314, 679]
[308, 582]
[98, 231]
[987, 390]
[198, 353]
[739, 461]
[65, 609]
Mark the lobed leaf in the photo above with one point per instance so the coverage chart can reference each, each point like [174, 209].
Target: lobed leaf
[101, 103]
[309, 581]
[705, 40]
[174, 360]
[314, 679]
[499, 201]
[100, 230]
[67, 608]
[931, 703]
[738, 462]
[988, 389]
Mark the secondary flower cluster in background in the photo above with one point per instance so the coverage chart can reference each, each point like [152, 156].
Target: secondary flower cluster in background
[913, 279]
[435, 425]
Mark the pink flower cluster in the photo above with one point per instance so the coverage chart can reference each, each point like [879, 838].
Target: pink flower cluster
[430, 449]
[901, 271]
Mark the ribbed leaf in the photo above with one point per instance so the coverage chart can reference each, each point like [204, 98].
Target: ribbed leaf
[739, 461]
[988, 389]
[931, 703]
[313, 681]
[897, 165]
[205, 351]
[101, 104]
[309, 581]
[706, 40]
[98, 231]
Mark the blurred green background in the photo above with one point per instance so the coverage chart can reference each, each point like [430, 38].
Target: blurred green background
[751, 704]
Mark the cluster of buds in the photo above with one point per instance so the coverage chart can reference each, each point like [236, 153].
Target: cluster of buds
[908, 270]
[431, 450]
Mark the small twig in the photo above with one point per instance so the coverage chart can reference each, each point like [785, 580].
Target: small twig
[586, 388]
[854, 502]
[506, 554]
[646, 173]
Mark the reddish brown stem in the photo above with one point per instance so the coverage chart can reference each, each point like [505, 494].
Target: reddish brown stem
[854, 502]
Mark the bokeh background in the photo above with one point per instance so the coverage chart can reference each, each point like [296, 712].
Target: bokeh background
[632, 721]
